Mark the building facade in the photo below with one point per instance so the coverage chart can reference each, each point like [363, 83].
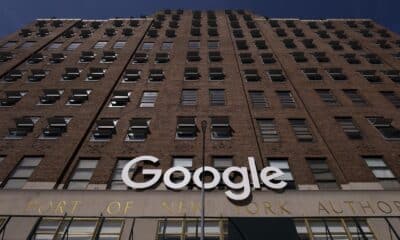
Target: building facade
[318, 99]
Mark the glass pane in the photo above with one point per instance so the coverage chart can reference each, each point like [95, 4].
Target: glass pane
[282, 164]
[15, 183]
[87, 164]
[375, 162]
[383, 173]
[212, 228]
[183, 162]
[23, 173]
[82, 227]
[77, 185]
[173, 227]
[30, 161]
[111, 227]
[82, 174]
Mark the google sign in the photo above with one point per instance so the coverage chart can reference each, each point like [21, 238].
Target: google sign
[242, 189]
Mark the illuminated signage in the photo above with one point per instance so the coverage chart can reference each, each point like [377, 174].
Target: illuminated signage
[241, 190]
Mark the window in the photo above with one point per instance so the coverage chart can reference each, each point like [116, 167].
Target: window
[147, 45]
[381, 171]
[213, 44]
[260, 44]
[193, 56]
[189, 97]
[120, 98]
[131, 75]
[217, 97]
[56, 127]
[246, 58]
[50, 96]
[216, 74]
[237, 33]
[286, 98]
[195, 31]
[258, 99]
[162, 57]
[13, 75]
[220, 128]
[69, 33]
[148, 99]
[349, 128]
[327, 97]
[326, 228]
[276, 75]
[140, 58]
[12, 98]
[78, 228]
[283, 164]
[355, 97]
[251, 75]
[268, 130]
[323, 34]
[79, 96]
[119, 44]
[312, 74]
[186, 128]
[336, 74]
[116, 182]
[105, 129]
[335, 45]
[194, 45]
[35, 58]
[355, 45]
[281, 32]
[87, 56]
[370, 76]
[191, 229]
[289, 43]
[167, 45]
[394, 75]
[73, 46]
[85, 33]
[138, 129]
[308, 43]
[186, 162]
[7, 56]
[321, 57]
[351, 58]
[22, 172]
[191, 73]
[23, 126]
[222, 162]
[95, 74]
[322, 175]
[156, 75]
[82, 174]
[214, 56]
[108, 57]
[241, 44]
[56, 58]
[37, 75]
[27, 44]
[299, 57]
[71, 73]
[384, 126]
[392, 97]
[373, 58]
[54, 45]
[301, 130]
[268, 58]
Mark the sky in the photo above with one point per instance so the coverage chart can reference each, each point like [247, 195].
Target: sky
[14, 14]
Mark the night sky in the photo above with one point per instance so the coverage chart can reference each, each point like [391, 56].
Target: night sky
[16, 13]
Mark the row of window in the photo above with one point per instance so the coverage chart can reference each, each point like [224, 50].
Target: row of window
[83, 172]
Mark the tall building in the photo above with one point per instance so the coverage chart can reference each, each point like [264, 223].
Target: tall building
[316, 99]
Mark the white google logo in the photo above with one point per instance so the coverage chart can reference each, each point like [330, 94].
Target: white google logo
[267, 175]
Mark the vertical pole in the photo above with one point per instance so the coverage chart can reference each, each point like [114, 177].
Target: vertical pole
[203, 130]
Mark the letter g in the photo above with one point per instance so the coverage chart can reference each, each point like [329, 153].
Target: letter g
[132, 164]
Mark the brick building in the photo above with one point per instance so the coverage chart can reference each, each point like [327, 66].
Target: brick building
[318, 99]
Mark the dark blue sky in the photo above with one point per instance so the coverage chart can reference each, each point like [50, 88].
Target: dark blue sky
[15, 13]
